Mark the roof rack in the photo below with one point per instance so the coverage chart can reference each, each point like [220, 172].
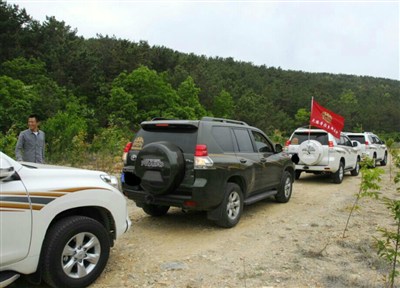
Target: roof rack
[223, 120]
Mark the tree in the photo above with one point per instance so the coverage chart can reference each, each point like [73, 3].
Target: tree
[189, 100]
[223, 105]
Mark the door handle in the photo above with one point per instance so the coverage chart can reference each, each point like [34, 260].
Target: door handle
[263, 160]
[243, 160]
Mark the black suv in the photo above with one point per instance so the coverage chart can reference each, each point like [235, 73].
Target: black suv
[214, 165]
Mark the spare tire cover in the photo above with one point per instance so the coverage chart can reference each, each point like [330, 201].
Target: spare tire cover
[310, 152]
[160, 166]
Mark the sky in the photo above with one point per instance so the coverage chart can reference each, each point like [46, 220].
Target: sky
[342, 37]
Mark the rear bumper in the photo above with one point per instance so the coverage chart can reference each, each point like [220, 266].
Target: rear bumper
[324, 169]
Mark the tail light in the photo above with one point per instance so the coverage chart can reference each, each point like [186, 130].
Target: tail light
[128, 147]
[201, 150]
[288, 142]
[330, 144]
[366, 143]
[201, 159]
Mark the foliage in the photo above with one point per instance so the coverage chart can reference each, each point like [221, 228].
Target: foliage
[369, 186]
[389, 244]
[8, 141]
[119, 83]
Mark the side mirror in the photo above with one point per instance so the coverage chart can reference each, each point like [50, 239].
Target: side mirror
[6, 172]
[278, 148]
[355, 143]
[6, 169]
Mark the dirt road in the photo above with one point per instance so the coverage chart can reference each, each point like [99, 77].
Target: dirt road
[297, 244]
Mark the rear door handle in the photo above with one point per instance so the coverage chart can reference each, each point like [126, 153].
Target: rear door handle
[263, 160]
[243, 160]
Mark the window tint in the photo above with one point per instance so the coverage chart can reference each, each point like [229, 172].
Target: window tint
[185, 139]
[359, 138]
[243, 140]
[300, 137]
[345, 141]
[262, 144]
[223, 137]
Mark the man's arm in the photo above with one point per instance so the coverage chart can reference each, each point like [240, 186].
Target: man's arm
[19, 147]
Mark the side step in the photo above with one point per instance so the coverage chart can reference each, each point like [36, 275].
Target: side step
[260, 196]
[7, 277]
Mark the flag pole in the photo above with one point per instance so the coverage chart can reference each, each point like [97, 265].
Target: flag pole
[311, 113]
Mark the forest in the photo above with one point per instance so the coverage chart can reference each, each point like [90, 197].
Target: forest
[92, 94]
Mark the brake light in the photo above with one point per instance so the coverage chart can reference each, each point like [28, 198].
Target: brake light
[330, 144]
[162, 125]
[201, 159]
[201, 150]
[128, 147]
[366, 143]
[288, 142]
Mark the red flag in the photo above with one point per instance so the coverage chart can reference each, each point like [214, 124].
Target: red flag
[327, 120]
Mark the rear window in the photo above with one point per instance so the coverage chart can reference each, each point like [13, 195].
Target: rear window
[300, 137]
[182, 136]
[359, 138]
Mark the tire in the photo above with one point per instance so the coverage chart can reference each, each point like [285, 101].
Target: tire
[339, 174]
[155, 210]
[384, 161]
[231, 207]
[373, 165]
[285, 189]
[310, 152]
[65, 261]
[160, 167]
[297, 174]
[356, 169]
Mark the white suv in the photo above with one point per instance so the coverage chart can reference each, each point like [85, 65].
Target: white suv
[57, 223]
[319, 152]
[371, 146]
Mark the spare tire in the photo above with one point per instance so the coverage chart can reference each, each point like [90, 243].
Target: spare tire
[160, 166]
[310, 152]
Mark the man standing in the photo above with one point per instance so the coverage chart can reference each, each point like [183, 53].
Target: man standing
[30, 145]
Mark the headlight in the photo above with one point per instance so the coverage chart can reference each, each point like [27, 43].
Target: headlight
[111, 180]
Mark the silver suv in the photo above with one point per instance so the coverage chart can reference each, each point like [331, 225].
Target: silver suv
[319, 152]
[371, 146]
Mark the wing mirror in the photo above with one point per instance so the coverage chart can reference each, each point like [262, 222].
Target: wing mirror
[6, 169]
[278, 148]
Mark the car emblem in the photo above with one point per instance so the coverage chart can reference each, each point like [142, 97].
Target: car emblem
[152, 163]
[133, 157]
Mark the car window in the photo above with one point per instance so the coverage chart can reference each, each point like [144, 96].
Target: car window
[359, 138]
[262, 144]
[185, 139]
[223, 137]
[345, 141]
[300, 137]
[244, 141]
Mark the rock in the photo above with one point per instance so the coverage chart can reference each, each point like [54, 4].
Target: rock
[174, 266]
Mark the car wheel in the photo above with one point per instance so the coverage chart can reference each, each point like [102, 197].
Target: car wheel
[155, 210]
[384, 161]
[297, 174]
[285, 189]
[373, 161]
[231, 207]
[75, 252]
[356, 169]
[339, 174]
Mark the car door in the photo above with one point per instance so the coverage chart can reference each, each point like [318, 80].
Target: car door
[380, 147]
[15, 218]
[350, 155]
[248, 158]
[271, 170]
